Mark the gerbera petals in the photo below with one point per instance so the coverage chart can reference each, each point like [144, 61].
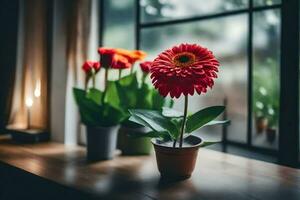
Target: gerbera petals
[184, 69]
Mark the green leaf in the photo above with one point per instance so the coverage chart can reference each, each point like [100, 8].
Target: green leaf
[95, 95]
[158, 100]
[93, 114]
[202, 117]
[140, 121]
[129, 80]
[111, 95]
[144, 97]
[88, 109]
[156, 121]
[127, 88]
[168, 112]
[112, 115]
[205, 144]
[217, 122]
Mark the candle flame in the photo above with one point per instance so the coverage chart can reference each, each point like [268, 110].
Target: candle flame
[37, 90]
[29, 102]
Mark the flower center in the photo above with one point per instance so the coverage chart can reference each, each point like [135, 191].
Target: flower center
[184, 59]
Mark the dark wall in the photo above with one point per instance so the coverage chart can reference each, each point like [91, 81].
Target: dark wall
[8, 54]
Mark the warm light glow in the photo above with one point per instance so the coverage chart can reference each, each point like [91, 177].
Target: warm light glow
[37, 90]
[29, 102]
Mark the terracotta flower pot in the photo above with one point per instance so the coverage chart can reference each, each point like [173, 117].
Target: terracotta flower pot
[101, 142]
[133, 146]
[261, 124]
[177, 163]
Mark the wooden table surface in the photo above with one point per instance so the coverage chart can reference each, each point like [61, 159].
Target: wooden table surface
[217, 175]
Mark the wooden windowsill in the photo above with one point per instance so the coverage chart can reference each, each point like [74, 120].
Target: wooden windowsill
[217, 175]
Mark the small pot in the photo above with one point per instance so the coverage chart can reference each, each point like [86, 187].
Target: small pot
[261, 124]
[101, 142]
[271, 134]
[133, 146]
[177, 163]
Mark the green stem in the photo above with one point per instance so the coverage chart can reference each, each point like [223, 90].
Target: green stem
[174, 143]
[120, 73]
[184, 120]
[105, 79]
[144, 78]
[86, 81]
[94, 80]
[131, 69]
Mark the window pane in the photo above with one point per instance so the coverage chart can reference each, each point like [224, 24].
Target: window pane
[266, 2]
[162, 10]
[266, 45]
[227, 38]
[119, 23]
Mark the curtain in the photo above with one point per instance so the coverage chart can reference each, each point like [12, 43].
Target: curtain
[79, 43]
[31, 80]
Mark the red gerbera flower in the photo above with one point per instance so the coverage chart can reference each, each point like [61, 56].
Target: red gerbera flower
[184, 69]
[89, 65]
[107, 55]
[120, 62]
[145, 66]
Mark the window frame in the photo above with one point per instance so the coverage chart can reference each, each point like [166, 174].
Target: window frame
[288, 148]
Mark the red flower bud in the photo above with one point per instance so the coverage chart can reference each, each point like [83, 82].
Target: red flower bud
[97, 66]
[89, 65]
[146, 66]
[107, 56]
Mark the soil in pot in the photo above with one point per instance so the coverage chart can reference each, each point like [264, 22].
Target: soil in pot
[176, 163]
[101, 143]
[133, 145]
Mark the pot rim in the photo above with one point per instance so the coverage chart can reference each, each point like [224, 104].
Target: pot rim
[117, 125]
[154, 142]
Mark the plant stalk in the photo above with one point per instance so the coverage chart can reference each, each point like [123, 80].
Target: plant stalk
[174, 143]
[184, 120]
[120, 73]
[86, 81]
[131, 69]
[144, 78]
[105, 79]
[94, 80]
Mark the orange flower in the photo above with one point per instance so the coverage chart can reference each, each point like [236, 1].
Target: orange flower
[120, 62]
[132, 56]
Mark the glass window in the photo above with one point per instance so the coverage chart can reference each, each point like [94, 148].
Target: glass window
[266, 2]
[119, 24]
[266, 62]
[162, 10]
[227, 38]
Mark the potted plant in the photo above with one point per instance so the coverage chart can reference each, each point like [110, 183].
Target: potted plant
[266, 98]
[181, 70]
[260, 108]
[99, 110]
[273, 120]
[137, 94]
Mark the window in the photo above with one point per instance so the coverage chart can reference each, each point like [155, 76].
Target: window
[246, 37]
